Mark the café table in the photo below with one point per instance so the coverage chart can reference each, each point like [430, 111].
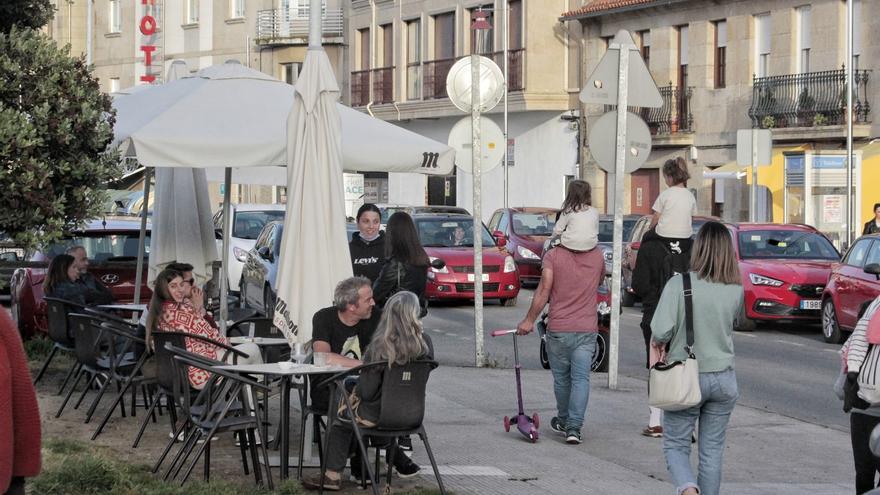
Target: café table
[137, 308]
[286, 371]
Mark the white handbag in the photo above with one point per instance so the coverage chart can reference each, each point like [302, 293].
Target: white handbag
[676, 386]
[869, 376]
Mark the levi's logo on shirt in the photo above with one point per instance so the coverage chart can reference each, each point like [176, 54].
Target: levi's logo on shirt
[366, 261]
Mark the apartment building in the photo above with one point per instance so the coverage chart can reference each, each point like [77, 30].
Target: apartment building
[132, 42]
[399, 54]
[742, 64]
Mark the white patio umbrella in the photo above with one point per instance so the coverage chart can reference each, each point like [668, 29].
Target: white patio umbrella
[314, 249]
[183, 230]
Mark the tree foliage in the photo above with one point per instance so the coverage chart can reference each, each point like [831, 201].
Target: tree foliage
[25, 14]
[55, 125]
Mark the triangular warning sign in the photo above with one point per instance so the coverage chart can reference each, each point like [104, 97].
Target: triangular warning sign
[601, 87]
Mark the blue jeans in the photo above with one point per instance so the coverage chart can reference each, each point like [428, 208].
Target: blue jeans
[570, 356]
[719, 391]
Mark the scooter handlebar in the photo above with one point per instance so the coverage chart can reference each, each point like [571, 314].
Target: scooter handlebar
[498, 333]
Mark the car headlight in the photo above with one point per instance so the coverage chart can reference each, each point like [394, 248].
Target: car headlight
[762, 280]
[445, 268]
[510, 265]
[608, 254]
[239, 253]
[526, 253]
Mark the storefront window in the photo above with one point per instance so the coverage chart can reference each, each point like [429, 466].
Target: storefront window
[828, 196]
[794, 189]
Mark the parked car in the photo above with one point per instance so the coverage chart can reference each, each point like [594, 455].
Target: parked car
[523, 232]
[257, 286]
[456, 279]
[631, 252]
[386, 210]
[112, 247]
[784, 268]
[247, 223]
[853, 284]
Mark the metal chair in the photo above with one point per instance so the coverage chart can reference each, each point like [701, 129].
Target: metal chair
[402, 411]
[94, 356]
[59, 332]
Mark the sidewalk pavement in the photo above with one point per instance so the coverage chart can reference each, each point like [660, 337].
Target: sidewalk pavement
[765, 452]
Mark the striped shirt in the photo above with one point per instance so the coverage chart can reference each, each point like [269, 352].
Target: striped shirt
[856, 347]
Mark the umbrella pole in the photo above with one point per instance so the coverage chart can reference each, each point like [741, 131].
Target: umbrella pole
[142, 237]
[224, 283]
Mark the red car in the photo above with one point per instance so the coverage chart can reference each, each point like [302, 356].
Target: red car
[523, 232]
[784, 271]
[853, 284]
[450, 238]
[112, 246]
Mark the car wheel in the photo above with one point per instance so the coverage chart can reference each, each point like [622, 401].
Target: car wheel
[742, 323]
[600, 355]
[508, 302]
[830, 327]
[268, 302]
[627, 298]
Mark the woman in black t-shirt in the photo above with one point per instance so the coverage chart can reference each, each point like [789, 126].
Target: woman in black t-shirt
[406, 267]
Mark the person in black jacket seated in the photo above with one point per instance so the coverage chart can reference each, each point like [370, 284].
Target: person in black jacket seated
[95, 291]
[61, 280]
[367, 246]
[406, 265]
[398, 340]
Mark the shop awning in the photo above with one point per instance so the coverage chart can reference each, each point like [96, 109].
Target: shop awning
[730, 170]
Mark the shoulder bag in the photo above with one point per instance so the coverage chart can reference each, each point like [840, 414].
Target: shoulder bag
[676, 386]
[869, 376]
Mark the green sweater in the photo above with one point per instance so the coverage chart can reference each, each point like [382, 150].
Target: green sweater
[715, 307]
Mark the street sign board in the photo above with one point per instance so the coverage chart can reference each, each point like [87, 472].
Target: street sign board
[764, 141]
[602, 140]
[458, 84]
[602, 85]
[491, 140]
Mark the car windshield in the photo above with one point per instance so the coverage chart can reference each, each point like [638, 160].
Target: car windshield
[534, 223]
[450, 233]
[387, 211]
[248, 224]
[606, 229]
[102, 246]
[789, 244]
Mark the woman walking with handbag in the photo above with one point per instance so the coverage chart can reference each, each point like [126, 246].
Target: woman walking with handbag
[714, 300]
[406, 265]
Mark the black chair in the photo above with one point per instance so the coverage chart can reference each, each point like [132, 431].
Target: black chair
[94, 356]
[59, 332]
[402, 411]
[221, 406]
[165, 375]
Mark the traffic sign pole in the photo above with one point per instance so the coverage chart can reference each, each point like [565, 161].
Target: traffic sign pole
[476, 150]
[753, 211]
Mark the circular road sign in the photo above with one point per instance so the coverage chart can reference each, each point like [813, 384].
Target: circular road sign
[491, 138]
[458, 84]
[603, 141]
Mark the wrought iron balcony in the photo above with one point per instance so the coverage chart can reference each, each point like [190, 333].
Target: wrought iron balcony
[383, 85]
[435, 72]
[286, 25]
[673, 117]
[812, 99]
[515, 65]
[360, 88]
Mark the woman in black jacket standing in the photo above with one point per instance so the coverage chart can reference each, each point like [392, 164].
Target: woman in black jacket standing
[367, 246]
[406, 262]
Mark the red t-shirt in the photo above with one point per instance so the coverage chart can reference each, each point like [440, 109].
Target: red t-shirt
[576, 278]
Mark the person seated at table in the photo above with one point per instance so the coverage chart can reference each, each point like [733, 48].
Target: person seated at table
[398, 340]
[95, 291]
[171, 311]
[61, 280]
[191, 292]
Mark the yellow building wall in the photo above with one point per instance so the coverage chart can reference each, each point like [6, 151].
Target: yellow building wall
[869, 186]
[773, 177]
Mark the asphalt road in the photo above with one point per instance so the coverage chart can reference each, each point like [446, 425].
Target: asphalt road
[785, 369]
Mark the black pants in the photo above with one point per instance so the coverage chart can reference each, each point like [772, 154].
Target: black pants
[648, 310]
[16, 487]
[867, 465]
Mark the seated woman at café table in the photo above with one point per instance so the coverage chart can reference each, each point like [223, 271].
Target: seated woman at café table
[61, 280]
[171, 311]
[398, 340]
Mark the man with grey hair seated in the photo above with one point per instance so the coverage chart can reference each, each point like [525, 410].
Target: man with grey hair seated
[95, 291]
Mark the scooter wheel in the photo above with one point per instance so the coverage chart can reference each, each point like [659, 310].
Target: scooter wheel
[506, 424]
[533, 437]
[535, 421]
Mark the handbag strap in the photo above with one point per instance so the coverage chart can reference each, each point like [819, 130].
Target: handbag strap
[688, 310]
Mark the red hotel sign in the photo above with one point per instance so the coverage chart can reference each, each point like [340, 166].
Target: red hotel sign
[148, 26]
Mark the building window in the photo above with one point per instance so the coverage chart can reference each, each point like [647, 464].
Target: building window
[763, 32]
[364, 43]
[387, 31]
[115, 16]
[290, 72]
[192, 11]
[515, 24]
[857, 32]
[444, 36]
[644, 38]
[720, 54]
[484, 43]
[114, 85]
[803, 15]
[414, 59]
[236, 9]
[682, 56]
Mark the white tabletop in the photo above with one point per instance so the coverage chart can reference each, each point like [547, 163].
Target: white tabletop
[260, 341]
[124, 307]
[276, 369]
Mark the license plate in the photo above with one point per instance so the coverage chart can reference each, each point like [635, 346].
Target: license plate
[471, 277]
[811, 304]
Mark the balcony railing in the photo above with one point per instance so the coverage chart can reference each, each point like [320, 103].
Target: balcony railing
[434, 81]
[673, 117]
[360, 88]
[515, 65]
[280, 24]
[383, 85]
[812, 99]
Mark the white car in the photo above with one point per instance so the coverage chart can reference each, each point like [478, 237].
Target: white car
[247, 222]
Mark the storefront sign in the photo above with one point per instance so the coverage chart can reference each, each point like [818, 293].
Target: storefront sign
[149, 41]
[832, 208]
[820, 161]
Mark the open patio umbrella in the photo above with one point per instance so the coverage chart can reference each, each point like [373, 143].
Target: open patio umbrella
[183, 229]
[314, 249]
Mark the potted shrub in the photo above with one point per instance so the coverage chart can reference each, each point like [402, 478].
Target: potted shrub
[820, 119]
[768, 122]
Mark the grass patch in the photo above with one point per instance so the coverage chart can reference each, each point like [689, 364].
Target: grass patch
[38, 348]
